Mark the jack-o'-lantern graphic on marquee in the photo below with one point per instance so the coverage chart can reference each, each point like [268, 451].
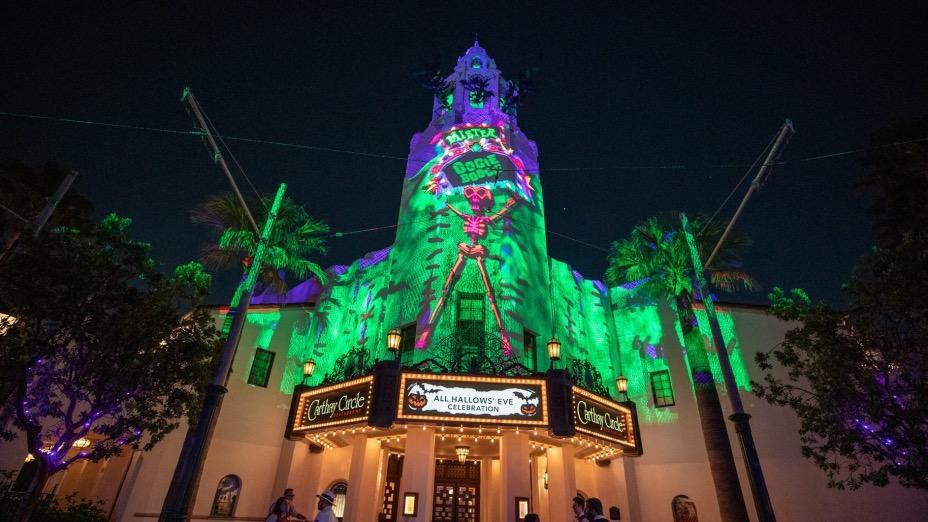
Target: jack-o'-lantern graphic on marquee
[476, 162]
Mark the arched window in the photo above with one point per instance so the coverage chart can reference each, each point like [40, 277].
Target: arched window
[684, 509]
[226, 498]
[340, 489]
[476, 63]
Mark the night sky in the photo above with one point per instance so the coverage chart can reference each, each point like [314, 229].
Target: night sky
[636, 111]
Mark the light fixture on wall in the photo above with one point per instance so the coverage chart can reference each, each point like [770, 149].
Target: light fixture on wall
[546, 477]
[463, 452]
[394, 337]
[308, 368]
[621, 386]
[554, 350]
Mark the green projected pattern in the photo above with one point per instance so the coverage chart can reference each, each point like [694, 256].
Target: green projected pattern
[727, 324]
[614, 329]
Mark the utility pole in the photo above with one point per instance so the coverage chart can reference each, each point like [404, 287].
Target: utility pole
[742, 420]
[182, 493]
[188, 97]
[39, 222]
[783, 135]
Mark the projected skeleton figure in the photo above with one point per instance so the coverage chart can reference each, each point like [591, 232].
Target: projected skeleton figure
[476, 226]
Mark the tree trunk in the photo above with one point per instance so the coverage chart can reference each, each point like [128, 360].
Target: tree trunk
[714, 432]
[33, 494]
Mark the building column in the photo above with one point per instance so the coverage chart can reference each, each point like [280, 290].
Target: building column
[514, 472]
[632, 508]
[562, 482]
[362, 479]
[298, 468]
[487, 507]
[419, 472]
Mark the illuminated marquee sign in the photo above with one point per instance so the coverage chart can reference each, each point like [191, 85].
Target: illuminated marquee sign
[344, 403]
[602, 418]
[472, 399]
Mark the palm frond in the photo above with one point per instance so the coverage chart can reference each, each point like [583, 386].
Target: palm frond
[732, 281]
[295, 237]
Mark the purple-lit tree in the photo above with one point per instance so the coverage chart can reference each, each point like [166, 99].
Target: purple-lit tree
[104, 347]
[858, 378]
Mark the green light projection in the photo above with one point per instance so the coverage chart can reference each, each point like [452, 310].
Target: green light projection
[727, 324]
[639, 335]
[614, 329]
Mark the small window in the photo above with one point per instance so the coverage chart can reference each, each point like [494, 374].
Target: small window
[261, 368]
[226, 498]
[475, 102]
[407, 341]
[340, 490]
[470, 308]
[476, 63]
[531, 345]
[661, 388]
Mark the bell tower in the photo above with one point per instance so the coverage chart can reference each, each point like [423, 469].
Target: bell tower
[470, 244]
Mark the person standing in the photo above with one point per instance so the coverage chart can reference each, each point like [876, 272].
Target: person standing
[579, 514]
[282, 509]
[326, 513]
[594, 509]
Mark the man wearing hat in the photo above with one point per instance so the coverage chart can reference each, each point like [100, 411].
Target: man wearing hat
[326, 501]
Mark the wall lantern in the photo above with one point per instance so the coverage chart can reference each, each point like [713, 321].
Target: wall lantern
[546, 478]
[554, 349]
[463, 452]
[621, 386]
[394, 337]
[308, 368]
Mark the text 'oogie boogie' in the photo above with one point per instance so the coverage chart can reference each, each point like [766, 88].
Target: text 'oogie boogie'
[331, 408]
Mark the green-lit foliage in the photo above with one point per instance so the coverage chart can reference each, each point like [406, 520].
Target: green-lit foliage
[296, 236]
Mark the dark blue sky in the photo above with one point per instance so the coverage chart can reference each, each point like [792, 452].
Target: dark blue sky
[618, 88]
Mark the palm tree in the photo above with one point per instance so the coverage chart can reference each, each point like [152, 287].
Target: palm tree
[657, 255]
[294, 238]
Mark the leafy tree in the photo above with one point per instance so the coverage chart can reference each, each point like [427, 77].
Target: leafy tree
[656, 254]
[858, 379]
[897, 176]
[104, 347]
[294, 238]
[25, 193]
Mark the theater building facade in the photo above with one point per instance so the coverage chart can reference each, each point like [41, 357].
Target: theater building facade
[470, 419]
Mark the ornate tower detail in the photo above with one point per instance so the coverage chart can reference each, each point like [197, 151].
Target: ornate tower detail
[470, 241]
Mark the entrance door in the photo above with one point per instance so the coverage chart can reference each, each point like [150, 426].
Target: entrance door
[457, 492]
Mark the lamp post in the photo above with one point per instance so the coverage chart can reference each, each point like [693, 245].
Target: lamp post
[621, 386]
[394, 337]
[554, 351]
[308, 368]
